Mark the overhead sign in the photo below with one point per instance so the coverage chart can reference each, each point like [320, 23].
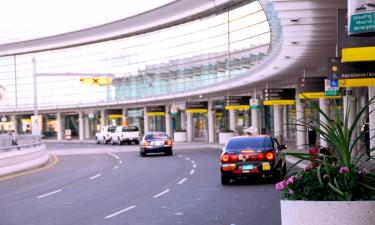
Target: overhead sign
[219, 104]
[254, 103]
[331, 90]
[361, 17]
[311, 84]
[155, 110]
[337, 70]
[197, 107]
[237, 102]
[279, 96]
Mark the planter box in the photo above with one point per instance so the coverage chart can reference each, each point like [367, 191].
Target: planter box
[179, 136]
[327, 212]
[223, 137]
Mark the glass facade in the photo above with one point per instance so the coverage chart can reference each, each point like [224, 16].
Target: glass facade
[180, 58]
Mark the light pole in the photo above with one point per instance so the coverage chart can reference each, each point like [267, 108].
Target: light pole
[35, 121]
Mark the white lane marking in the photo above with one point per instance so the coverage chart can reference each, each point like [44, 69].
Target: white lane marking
[48, 194]
[113, 155]
[192, 172]
[96, 176]
[119, 212]
[182, 181]
[115, 168]
[162, 193]
[179, 214]
[187, 158]
[192, 161]
[180, 156]
[120, 162]
[195, 166]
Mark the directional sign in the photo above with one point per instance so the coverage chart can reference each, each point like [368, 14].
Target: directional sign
[197, 107]
[156, 110]
[279, 94]
[237, 102]
[337, 70]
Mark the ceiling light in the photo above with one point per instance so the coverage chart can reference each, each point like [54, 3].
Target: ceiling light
[294, 20]
[294, 42]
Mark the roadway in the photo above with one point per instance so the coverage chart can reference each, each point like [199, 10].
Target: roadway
[103, 184]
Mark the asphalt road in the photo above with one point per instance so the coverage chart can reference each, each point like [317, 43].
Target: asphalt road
[120, 187]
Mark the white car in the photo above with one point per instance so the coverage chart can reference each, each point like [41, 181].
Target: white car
[105, 134]
[126, 134]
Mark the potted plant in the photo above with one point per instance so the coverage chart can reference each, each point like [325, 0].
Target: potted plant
[179, 135]
[339, 186]
[224, 135]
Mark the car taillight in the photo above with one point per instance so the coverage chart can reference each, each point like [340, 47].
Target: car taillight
[270, 156]
[225, 158]
[168, 142]
[146, 143]
[229, 158]
[261, 156]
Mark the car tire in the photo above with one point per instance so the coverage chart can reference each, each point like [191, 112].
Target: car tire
[169, 153]
[225, 180]
[97, 141]
[280, 174]
[142, 153]
[118, 141]
[136, 142]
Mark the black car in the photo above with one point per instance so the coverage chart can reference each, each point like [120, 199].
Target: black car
[156, 142]
[249, 156]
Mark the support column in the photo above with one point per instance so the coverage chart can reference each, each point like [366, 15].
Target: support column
[124, 117]
[59, 127]
[168, 121]
[301, 140]
[232, 120]
[255, 115]
[13, 119]
[211, 122]
[81, 126]
[189, 126]
[145, 120]
[87, 128]
[102, 118]
[371, 95]
[324, 106]
[285, 122]
[351, 106]
[183, 120]
[277, 122]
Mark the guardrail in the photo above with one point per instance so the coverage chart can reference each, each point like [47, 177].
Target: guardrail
[9, 143]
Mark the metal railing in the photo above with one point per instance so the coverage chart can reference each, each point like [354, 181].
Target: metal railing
[9, 143]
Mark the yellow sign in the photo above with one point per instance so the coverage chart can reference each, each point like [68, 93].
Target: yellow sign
[237, 107]
[155, 113]
[114, 116]
[358, 82]
[314, 95]
[279, 102]
[96, 80]
[197, 110]
[358, 54]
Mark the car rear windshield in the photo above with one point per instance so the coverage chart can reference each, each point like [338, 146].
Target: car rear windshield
[238, 144]
[129, 129]
[111, 129]
[156, 136]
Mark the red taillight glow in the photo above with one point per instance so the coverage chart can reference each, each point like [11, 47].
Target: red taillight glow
[234, 157]
[229, 158]
[270, 156]
[260, 156]
[146, 143]
[169, 142]
[225, 158]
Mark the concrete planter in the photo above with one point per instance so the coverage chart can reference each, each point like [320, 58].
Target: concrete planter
[327, 212]
[224, 137]
[179, 136]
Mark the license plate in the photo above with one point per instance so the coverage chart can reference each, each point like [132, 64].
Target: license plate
[157, 143]
[266, 166]
[247, 167]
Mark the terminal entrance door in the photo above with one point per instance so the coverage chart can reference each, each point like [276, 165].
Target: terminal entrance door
[200, 130]
[156, 123]
[135, 118]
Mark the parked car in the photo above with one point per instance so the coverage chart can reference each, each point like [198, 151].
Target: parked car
[249, 156]
[105, 134]
[126, 134]
[156, 142]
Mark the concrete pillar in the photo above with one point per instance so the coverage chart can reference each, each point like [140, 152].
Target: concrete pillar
[124, 117]
[211, 122]
[81, 126]
[168, 121]
[189, 126]
[232, 120]
[324, 106]
[351, 106]
[13, 119]
[145, 120]
[59, 127]
[371, 95]
[183, 120]
[255, 121]
[277, 122]
[87, 128]
[285, 123]
[102, 118]
[301, 140]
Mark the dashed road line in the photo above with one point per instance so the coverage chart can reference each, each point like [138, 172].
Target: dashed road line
[192, 172]
[50, 193]
[182, 181]
[119, 212]
[192, 161]
[113, 155]
[187, 158]
[180, 156]
[96, 176]
[162, 193]
[120, 162]
[194, 166]
[115, 168]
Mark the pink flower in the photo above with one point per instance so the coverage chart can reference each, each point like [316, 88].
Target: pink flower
[291, 191]
[344, 169]
[281, 185]
[290, 180]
